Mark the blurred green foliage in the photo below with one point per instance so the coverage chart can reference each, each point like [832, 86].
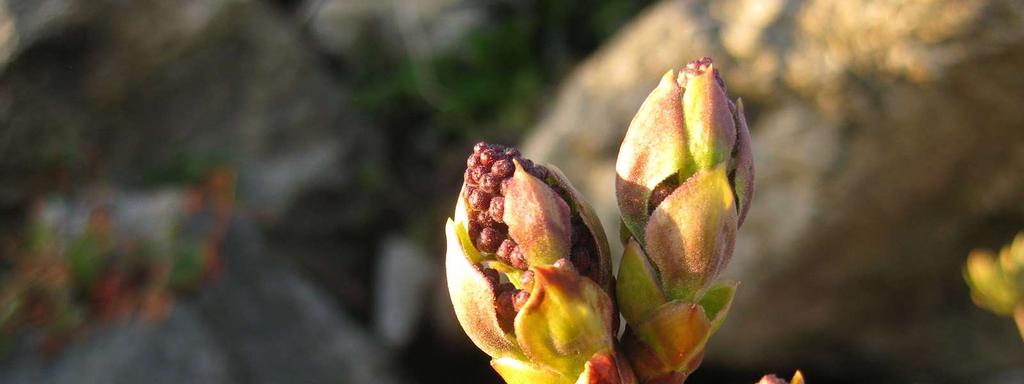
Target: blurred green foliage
[494, 82]
[187, 266]
[59, 278]
[187, 167]
[490, 86]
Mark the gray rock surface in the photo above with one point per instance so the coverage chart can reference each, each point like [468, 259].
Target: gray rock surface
[402, 287]
[135, 90]
[140, 93]
[279, 328]
[422, 27]
[182, 349]
[888, 144]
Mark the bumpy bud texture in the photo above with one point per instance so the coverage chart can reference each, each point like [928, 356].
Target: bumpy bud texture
[528, 266]
[529, 273]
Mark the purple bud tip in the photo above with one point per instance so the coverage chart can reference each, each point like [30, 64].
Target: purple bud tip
[696, 68]
[510, 254]
[479, 199]
[497, 209]
[479, 147]
[492, 276]
[490, 239]
[503, 168]
[519, 300]
[526, 280]
[488, 169]
[505, 307]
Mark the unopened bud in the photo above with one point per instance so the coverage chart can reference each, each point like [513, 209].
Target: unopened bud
[520, 238]
[798, 378]
[685, 182]
[685, 177]
[997, 281]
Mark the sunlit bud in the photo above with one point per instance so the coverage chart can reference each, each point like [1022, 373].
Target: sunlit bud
[684, 185]
[685, 178]
[798, 378]
[529, 273]
[997, 281]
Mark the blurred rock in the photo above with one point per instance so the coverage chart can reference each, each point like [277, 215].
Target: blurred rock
[145, 91]
[888, 144]
[404, 276]
[23, 23]
[1008, 377]
[419, 27]
[8, 40]
[181, 350]
[279, 328]
[151, 216]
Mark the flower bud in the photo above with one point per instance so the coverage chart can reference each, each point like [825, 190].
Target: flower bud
[537, 218]
[685, 176]
[997, 282]
[529, 272]
[565, 333]
[798, 378]
[684, 185]
[667, 342]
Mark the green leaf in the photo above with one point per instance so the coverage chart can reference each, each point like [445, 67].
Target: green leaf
[566, 320]
[461, 219]
[717, 301]
[637, 286]
[676, 333]
[86, 257]
[710, 128]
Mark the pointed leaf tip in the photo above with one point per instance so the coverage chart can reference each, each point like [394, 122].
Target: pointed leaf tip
[717, 301]
[798, 378]
[538, 219]
[709, 122]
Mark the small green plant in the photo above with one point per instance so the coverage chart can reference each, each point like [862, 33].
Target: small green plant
[997, 281]
[55, 282]
[528, 267]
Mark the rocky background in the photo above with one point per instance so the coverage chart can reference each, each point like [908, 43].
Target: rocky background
[888, 141]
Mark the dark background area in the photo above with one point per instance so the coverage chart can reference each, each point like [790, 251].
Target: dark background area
[236, 191]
